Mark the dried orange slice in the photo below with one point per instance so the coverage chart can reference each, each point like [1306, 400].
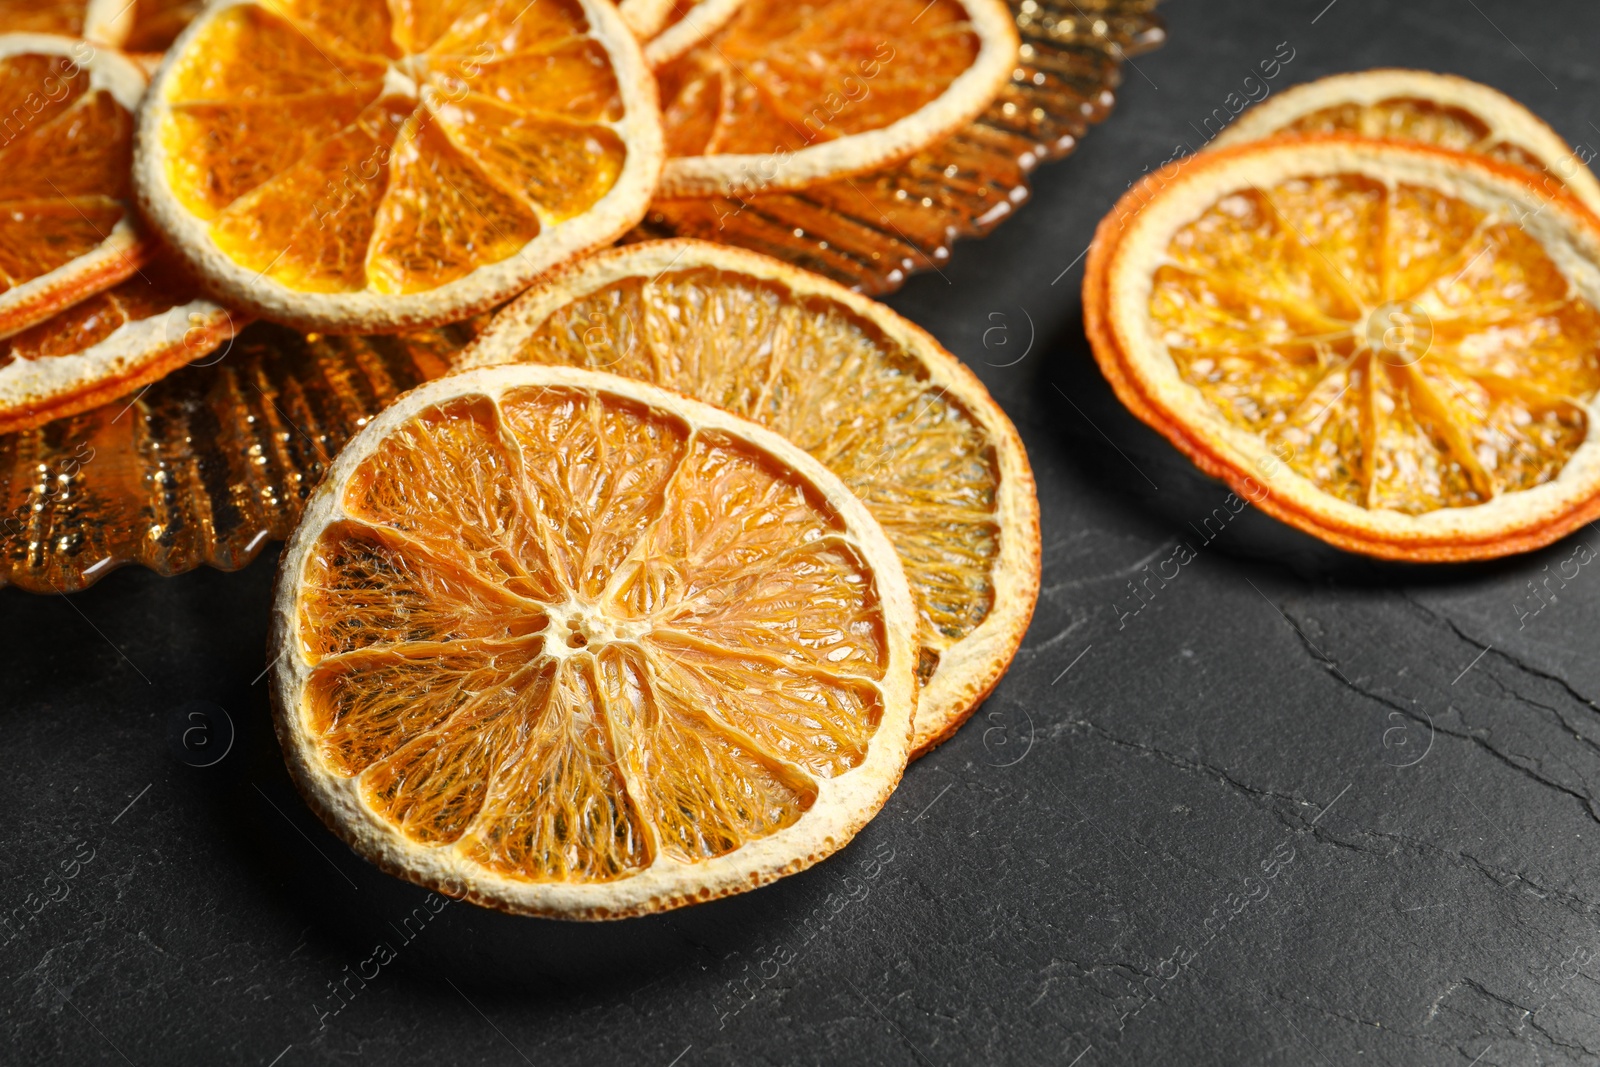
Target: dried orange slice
[901, 422]
[670, 28]
[108, 345]
[1393, 347]
[789, 94]
[102, 21]
[336, 168]
[1416, 105]
[66, 218]
[572, 645]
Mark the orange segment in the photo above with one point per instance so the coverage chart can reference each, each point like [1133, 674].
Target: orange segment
[548, 634]
[223, 151]
[34, 89]
[371, 166]
[488, 30]
[354, 27]
[451, 466]
[538, 156]
[710, 788]
[307, 231]
[86, 150]
[596, 474]
[247, 53]
[36, 16]
[819, 721]
[894, 416]
[561, 810]
[366, 704]
[37, 236]
[441, 217]
[432, 788]
[572, 80]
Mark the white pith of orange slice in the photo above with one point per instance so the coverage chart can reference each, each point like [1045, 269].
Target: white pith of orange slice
[67, 227]
[909, 429]
[108, 345]
[684, 24]
[1465, 434]
[567, 644]
[1418, 105]
[328, 165]
[786, 95]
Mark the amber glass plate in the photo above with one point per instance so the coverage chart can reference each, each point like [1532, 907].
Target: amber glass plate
[211, 463]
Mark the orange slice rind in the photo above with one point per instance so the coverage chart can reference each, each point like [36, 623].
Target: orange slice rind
[108, 345]
[67, 228]
[910, 430]
[786, 95]
[566, 644]
[1393, 347]
[1416, 105]
[327, 165]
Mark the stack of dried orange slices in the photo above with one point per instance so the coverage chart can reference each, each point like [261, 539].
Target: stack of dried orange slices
[659, 609]
[1381, 323]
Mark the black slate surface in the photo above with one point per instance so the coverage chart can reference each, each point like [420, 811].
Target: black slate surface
[1299, 809]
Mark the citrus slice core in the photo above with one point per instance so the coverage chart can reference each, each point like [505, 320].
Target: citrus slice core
[572, 645]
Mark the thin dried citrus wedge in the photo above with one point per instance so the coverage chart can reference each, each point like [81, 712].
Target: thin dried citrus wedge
[101, 21]
[66, 218]
[572, 645]
[1416, 105]
[1393, 347]
[909, 429]
[335, 167]
[788, 94]
[108, 345]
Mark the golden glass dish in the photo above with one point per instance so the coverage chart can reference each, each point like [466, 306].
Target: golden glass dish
[209, 464]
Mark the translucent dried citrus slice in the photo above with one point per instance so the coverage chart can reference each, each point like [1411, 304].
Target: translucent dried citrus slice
[1393, 347]
[789, 94]
[102, 21]
[1416, 105]
[573, 645]
[337, 167]
[108, 345]
[901, 422]
[66, 218]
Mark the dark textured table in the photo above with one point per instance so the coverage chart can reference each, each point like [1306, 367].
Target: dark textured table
[1300, 808]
